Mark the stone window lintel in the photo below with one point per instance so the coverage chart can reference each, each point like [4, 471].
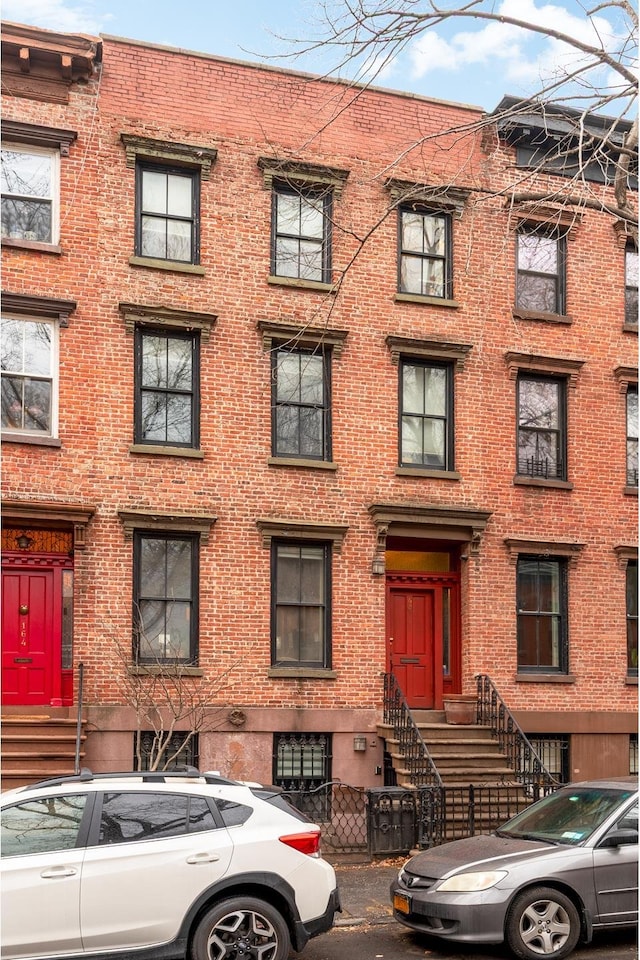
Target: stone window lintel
[35, 135]
[467, 523]
[449, 199]
[187, 154]
[624, 552]
[429, 349]
[533, 213]
[625, 377]
[552, 366]
[301, 173]
[173, 522]
[301, 530]
[28, 306]
[301, 336]
[544, 548]
[134, 314]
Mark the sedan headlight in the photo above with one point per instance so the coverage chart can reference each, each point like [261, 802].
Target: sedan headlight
[470, 882]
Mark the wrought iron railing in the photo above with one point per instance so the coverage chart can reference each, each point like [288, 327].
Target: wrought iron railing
[340, 810]
[529, 770]
[419, 766]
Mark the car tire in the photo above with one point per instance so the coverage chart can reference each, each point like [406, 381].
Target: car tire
[542, 922]
[241, 927]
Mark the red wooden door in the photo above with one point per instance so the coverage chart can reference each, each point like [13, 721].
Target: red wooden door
[28, 624]
[414, 642]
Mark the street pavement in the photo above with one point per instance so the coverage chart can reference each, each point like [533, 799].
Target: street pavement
[366, 930]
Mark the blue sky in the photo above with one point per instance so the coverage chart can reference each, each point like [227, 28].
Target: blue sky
[467, 62]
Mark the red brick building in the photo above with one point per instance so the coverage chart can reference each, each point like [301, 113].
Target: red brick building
[298, 391]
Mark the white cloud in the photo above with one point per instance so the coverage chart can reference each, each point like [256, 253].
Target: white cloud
[55, 15]
[521, 56]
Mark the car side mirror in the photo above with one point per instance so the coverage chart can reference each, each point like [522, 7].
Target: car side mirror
[620, 838]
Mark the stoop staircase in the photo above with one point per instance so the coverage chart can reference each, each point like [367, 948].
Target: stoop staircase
[471, 777]
[38, 745]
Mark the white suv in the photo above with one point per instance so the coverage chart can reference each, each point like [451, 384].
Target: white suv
[159, 866]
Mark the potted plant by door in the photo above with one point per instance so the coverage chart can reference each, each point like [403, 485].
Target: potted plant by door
[460, 708]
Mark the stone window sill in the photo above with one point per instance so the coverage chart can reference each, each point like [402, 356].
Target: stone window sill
[426, 300]
[34, 441]
[302, 284]
[158, 450]
[302, 462]
[302, 673]
[519, 313]
[630, 328]
[162, 670]
[631, 491]
[545, 678]
[631, 681]
[172, 265]
[31, 245]
[522, 481]
[426, 472]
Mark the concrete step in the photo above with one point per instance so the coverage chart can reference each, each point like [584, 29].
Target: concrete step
[479, 761]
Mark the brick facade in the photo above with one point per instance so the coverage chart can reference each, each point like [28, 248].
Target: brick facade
[245, 113]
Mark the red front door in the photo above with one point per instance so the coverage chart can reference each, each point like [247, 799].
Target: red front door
[414, 640]
[30, 636]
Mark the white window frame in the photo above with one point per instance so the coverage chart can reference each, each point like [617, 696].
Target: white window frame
[55, 189]
[54, 375]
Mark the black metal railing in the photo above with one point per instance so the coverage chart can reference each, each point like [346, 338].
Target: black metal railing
[528, 768]
[341, 812]
[455, 812]
[76, 768]
[419, 766]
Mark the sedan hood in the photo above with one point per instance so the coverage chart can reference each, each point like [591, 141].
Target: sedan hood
[479, 853]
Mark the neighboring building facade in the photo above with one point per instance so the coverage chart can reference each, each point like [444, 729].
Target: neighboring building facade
[247, 434]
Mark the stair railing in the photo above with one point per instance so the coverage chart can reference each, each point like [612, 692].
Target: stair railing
[76, 768]
[529, 769]
[422, 771]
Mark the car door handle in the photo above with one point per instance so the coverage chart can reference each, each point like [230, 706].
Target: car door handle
[203, 858]
[56, 872]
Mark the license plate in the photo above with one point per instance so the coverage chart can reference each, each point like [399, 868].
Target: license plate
[401, 903]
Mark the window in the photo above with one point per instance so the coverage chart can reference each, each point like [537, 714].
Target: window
[542, 614]
[127, 817]
[425, 254]
[167, 381]
[30, 179]
[167, 219]
[301, 240]
[165, 597]
[160, 750]
[541, 427]
[301, 764]
[632, 435]
[631, 285]
[553, 750]
[300, 607]
[632, 618]
[426, 415]
[29, 376]
[301, 411]
[541, 267]
[41, 826]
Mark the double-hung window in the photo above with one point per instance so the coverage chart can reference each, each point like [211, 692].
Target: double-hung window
[540, 284]
[30, 193]
[541, 593]
[165, 597]
[30, 376]
[541, 427]
[300, 607]
[301, 403]
[424, 266]
[167, 387]
[301, 232]
[167, 213]
[631, 286]
[632, 435]
[426, 415]
[632, 617]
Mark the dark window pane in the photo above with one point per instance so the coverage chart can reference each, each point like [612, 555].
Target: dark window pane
[299, 609]
[311, 434]
[233, 814]
[128, 817]
[27, 219]
[41, 826]
[179, 419]
[287, 430]
[537, 293]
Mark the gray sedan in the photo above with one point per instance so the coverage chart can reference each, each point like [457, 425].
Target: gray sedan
[565, 866]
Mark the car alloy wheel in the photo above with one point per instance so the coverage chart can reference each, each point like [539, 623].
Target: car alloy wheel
[241, 929]
[542, 922]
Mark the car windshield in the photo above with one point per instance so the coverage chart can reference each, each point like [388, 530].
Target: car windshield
[568, 816]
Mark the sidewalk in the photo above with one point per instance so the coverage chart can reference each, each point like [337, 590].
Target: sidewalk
[364, 890]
